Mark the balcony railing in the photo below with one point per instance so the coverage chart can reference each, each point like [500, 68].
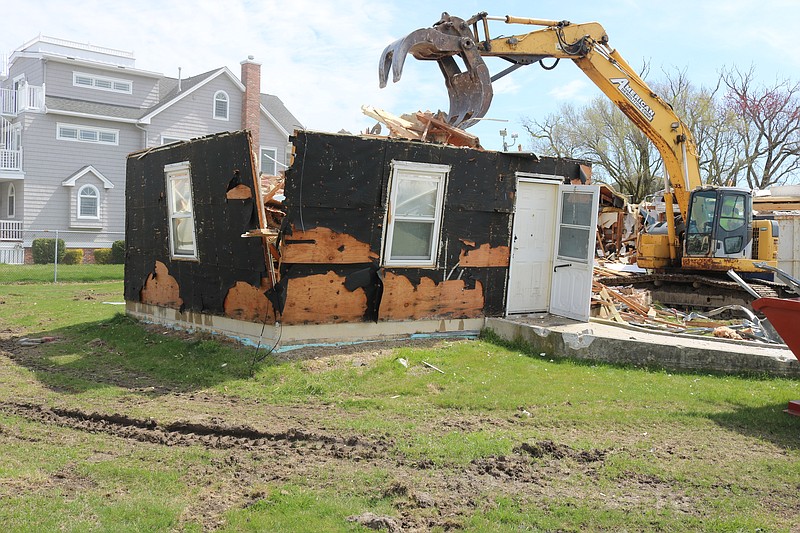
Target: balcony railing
[25, 98]
[11, 230]
[10, 159]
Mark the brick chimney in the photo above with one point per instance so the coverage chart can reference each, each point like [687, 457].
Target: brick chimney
[251, 103]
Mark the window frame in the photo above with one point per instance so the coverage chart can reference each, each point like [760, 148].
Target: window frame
[11, 197]
[168, 139]
[172, 172]
[93, 80]
[80, 131]
[415, 171]
[227, 106]
[274, 161]
[80, 201]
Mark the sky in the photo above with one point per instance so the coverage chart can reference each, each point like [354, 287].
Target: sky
[321, 57]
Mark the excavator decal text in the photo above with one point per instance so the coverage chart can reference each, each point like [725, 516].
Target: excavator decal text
[623, 84]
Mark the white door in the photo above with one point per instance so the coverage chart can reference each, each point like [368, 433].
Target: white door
[532, 246]
[571, 290]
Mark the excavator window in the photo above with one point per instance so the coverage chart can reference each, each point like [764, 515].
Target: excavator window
[701, 218]
[732, 215]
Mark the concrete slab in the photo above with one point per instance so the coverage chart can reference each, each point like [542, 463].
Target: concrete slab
[611, 343]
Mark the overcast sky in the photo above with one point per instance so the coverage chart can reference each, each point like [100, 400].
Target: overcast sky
[321, 57]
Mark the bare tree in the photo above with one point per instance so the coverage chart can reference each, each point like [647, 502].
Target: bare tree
[622, 154]
[767, 124]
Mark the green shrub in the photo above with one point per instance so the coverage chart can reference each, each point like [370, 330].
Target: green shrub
[102, 256]
[43, 251]
[117, 253]
[73, 257]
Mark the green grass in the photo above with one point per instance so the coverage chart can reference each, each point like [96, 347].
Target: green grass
[682, 450]
[65, 273]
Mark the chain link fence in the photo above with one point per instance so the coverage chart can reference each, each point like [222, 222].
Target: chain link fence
[60, 255]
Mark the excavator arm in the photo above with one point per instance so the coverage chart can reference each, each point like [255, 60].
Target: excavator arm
[586, 45]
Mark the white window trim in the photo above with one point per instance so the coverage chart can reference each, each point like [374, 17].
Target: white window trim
[274, 159]
[169, 139]
[78, 129]
[11, 208]
[79, 202]
[172, 171]
[95, 78]
[420, 171]
[227, 106]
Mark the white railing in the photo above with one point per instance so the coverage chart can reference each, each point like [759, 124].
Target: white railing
[10, 159]
[11, 230]
[26, 98]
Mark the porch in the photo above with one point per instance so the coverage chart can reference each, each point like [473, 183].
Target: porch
[11, 249]
[24, 97]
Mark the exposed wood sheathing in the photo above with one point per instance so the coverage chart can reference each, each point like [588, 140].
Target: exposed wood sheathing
[323, 299]
[246, 302]
[161, 289]
[484, 256]
[240, 192]
[402, 300]
[322, 245]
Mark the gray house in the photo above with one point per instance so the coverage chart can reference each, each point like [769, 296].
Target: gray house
[71, 112]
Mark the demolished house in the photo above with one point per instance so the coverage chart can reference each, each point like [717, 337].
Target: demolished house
[371, 237]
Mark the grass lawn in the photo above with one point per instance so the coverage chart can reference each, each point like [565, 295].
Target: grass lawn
[61, 273]
[119, 426]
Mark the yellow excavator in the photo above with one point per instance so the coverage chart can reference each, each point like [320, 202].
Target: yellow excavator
[715, 231]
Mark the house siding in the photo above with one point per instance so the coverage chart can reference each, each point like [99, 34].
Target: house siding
[272, 137]
[31, 67]
[59, 83]
[192, 116]
[48, 203]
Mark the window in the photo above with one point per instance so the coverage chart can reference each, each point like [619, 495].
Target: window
[575, 228]
[12, 196]
[415, 214]
[87, 134]
[180, 211]
[88, 202]
[103, 83]
[221, 105]
[170, 140]
[269, 163]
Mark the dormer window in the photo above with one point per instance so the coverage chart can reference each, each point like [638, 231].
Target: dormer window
[221, 102]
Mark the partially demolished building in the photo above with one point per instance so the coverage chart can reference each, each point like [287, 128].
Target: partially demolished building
[381, 237]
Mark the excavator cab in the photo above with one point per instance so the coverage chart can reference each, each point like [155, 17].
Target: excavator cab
[720, 230]
[718, 223]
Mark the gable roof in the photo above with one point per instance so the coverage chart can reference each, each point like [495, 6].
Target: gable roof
[70, 181]
[188, 86]
[278, 114]
[272, 107]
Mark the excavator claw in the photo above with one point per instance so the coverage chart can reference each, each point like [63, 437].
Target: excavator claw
[470, 91]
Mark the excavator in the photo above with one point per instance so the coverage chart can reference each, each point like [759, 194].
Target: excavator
[715, 231]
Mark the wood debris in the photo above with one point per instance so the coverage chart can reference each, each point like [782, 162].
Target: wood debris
[632, 306]
[422, 126]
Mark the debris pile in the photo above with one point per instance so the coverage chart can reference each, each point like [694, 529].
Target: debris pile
[422, 126]
[632, 306]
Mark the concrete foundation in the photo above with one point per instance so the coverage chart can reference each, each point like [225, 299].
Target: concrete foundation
[604, 342]
[555, 336]
[287, 337]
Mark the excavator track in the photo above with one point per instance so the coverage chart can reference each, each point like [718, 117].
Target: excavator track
[696, 290]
